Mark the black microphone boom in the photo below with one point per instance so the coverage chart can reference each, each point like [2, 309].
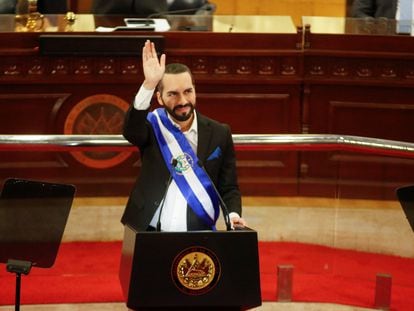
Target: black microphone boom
[174, 164]
[223, 205]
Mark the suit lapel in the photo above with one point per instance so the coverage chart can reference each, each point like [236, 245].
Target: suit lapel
[204, 137]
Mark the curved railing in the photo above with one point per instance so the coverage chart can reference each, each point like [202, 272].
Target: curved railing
[298, 142]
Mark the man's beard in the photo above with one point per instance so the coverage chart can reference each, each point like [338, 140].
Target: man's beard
[181, 117]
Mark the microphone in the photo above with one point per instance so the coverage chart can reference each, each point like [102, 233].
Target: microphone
[202, 9]
[173, 164]
[223, 205]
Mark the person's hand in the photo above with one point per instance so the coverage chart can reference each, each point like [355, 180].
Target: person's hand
[238, 222]
[153, 67]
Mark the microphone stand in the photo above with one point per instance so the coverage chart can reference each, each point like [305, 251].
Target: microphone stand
[19, 267]
[173, 164]
[223, 205]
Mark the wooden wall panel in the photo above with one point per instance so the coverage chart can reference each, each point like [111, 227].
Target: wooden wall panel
[385, 113]
[257, 113]
[260, 173]
[381, 119]
[20, 106]
[254, 88]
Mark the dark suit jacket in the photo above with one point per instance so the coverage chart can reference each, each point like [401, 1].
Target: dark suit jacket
[374, 8]
[152, 182]
[52, 6]
[141, 8]
[144, 8]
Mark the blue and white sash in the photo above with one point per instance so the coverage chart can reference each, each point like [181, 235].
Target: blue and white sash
[193, 182]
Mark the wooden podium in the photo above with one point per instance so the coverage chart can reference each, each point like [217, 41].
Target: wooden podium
[199, 270]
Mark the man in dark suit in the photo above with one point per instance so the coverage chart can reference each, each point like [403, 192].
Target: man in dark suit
[52, 6]
[140, 8]
[43, 6]
[374, 8]
[178, 141]
[144, 8]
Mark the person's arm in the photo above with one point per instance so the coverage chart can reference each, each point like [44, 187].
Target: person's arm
[135, 128]
[363, 8]
[228, 184]
[153, 67]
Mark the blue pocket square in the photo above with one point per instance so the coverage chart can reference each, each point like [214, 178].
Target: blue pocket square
[215, 154]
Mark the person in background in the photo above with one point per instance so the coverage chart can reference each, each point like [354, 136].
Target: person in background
[145, 8]
[141, 8]
[374, 8]
[52, 6]
[7, 6]
[43, 6]
[182, 153]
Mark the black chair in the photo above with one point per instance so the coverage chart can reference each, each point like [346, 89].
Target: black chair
[52, 6]
[192, 7]
[144, 8]
[7, 6]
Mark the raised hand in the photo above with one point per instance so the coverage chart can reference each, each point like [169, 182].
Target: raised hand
[153, 67]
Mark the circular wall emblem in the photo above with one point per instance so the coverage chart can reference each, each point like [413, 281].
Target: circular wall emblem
[100, 114]
[196, 271]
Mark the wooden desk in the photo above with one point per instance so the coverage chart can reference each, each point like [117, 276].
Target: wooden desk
[248, 79]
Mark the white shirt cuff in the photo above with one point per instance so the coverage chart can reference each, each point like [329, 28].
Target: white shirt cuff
[233, 214]
[143, 98]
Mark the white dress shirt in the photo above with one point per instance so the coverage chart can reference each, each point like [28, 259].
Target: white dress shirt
[174, 207]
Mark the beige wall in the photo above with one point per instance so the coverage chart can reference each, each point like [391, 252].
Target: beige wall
[293, 8]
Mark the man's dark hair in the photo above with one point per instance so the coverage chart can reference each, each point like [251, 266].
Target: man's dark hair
[175, 68]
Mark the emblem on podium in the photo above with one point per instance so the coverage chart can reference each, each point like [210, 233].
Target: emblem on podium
[196, 271]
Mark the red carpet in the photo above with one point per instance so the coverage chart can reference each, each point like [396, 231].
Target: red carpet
[88, 272]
